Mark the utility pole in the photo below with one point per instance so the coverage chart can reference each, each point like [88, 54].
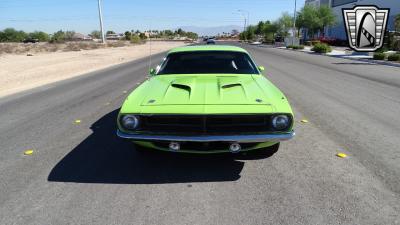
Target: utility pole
[103, 39]
[294, 21]
[246, 21]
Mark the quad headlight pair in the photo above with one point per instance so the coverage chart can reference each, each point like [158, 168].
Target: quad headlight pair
[279, 122]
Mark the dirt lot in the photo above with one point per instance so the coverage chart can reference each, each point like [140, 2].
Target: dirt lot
[22, 72]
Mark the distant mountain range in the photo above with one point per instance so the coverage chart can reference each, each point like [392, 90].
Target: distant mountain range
[211, 31]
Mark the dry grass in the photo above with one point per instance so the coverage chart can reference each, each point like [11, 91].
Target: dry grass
[20, 72]
[21, 48]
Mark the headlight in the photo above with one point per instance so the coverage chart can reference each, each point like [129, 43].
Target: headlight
[130, 122]
[280, 122]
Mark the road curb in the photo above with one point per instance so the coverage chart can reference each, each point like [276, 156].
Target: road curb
[370, 61]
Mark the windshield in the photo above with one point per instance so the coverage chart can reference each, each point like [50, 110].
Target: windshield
[202, 62]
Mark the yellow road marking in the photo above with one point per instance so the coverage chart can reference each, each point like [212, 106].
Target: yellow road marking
[28, 152]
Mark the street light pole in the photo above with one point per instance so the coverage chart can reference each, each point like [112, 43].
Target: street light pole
[294, 21]
[248, 17]
[103, 39]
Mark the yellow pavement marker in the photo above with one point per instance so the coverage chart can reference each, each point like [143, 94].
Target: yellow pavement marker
[77, 121]
[304, 121]
[107, 103]
[28, 152]
[341, 155]
[125, 92]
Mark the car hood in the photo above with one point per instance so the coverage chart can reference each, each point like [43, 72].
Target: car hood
[204, 89]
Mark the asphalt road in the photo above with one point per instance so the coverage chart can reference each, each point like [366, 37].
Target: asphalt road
[80, 173]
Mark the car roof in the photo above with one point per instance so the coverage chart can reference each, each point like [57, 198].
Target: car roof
[193, 48]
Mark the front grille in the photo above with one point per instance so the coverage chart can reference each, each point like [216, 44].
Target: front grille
[206, 124]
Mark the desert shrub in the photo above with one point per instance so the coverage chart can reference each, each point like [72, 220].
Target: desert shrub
[295, 47]
[84, 45]
[396, 45]
[116, 44]
[379, 56]
[382, 50]
[88, 45]
[58, 37]
[321, 48]
[72, 47]
[315, 42]
[6, 48]
[298, 47]
[308, 43]
[135, 39]
[394, 57]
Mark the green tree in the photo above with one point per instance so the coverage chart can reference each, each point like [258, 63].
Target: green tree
[326, 17]
[242, 35]
[135, 39]
[397, 23]
[128, 35]
[269, 31]
[143, 36]
[309, 18]
[284, 24]
[250, 32]
[95, 34]
[12, 35]
[168, 33]
[110, 32]
[69, 35]
[58, 37]
[259, 28]
[315, 19]
[40, 35]
[192, 35]
[180, 32]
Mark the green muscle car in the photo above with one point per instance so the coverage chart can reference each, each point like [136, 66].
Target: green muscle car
[206, 99]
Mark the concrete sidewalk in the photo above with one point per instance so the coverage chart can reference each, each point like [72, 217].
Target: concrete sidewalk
[342, 52]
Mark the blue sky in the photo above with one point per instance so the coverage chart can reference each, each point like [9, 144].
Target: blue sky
[121, 15]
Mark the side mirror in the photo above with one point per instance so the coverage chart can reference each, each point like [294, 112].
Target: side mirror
[152, 72]
[261, 68]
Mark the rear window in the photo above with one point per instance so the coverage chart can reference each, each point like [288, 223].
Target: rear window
[202, 62]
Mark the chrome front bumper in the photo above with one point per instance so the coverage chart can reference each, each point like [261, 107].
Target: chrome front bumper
[210, 138]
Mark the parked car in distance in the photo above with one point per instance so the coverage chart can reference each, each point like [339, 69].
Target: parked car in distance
[211, 41]
[30, 40]
[206, 99]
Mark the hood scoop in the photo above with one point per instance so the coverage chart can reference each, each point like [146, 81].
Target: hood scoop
[231, 85]
[182, 86]
[204, 90]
